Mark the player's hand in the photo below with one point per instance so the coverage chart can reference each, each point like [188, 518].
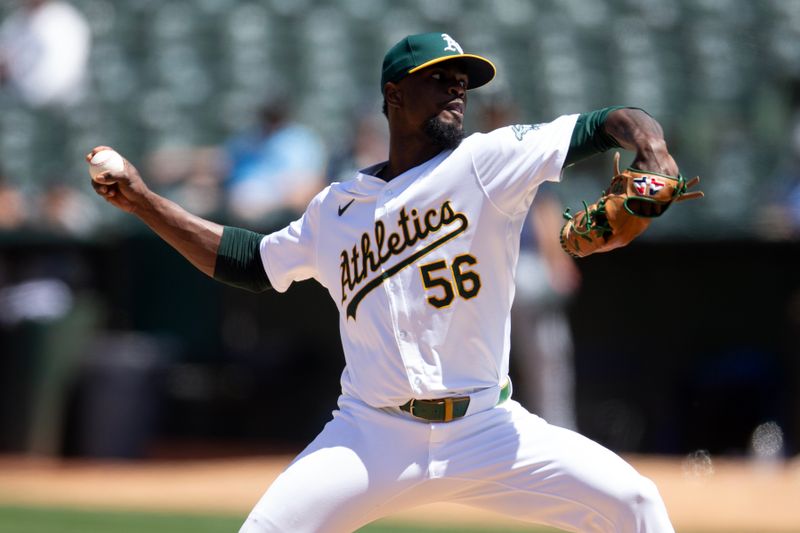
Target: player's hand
[655, 158]
[124, 190]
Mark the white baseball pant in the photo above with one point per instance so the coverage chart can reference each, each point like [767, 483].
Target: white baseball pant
[369, 463]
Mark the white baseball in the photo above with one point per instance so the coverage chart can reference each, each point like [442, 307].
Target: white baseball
[106, 160]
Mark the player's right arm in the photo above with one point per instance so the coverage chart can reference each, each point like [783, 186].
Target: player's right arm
[227, 254]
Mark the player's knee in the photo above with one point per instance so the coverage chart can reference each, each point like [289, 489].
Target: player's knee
[644, 497]
[642, 509]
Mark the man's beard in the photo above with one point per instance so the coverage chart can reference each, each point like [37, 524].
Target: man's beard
[445, 135]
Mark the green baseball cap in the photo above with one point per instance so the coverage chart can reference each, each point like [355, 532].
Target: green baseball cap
[416, 52]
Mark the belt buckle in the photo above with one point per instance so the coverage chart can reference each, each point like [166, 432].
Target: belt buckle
[411, 406]
[446, 402]
[448, 409]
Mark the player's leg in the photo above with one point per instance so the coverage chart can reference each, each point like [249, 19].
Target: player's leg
[549, 475]
[348, 476]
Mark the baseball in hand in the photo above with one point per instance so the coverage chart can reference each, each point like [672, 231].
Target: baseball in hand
[106, 160]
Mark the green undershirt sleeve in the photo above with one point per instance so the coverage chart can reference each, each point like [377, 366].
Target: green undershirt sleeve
[239, 260]
[589, 137]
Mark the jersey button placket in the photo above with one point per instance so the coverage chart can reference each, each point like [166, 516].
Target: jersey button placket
[383, 211]
[393, 288]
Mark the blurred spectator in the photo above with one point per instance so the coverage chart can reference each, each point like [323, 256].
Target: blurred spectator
[13, 209]
[63, 209]
[190, 176]
[368, 144]
[781, 218]
[44, 50]
[541, 337]
[57, 208]
[540, 333]
[275, 168]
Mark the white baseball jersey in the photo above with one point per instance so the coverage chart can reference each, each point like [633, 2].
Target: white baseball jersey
[422, 267]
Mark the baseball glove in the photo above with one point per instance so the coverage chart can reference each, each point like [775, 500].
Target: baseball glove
[623, 211]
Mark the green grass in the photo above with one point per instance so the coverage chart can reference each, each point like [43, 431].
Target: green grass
[18, 519]
[41, 520]
[47, 520]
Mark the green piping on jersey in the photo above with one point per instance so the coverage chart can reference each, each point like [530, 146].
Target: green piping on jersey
[239, 260]
[590, 137]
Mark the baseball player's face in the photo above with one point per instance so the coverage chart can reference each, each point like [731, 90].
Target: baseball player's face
[438, 92]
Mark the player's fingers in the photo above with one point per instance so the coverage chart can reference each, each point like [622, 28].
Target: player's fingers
[105, 178]
[99, 188]
[104, 190]
[96, 149]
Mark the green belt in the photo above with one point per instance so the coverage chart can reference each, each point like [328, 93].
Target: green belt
[447, 409]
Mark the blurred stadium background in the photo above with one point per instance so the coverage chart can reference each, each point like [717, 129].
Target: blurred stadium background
[112, 347]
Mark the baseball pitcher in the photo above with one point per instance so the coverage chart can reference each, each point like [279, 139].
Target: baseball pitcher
[419, 254]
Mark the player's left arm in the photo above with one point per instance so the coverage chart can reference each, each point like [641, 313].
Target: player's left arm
[626, 208]
[622, 127]
[637, 131]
